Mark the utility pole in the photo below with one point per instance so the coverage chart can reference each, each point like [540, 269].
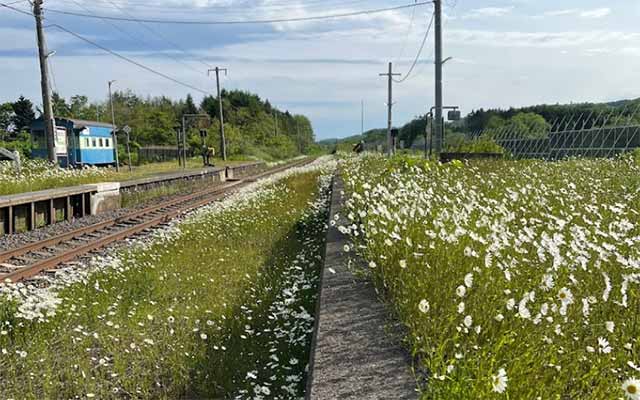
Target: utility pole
[178, 130]
[49, 119]
[299, 138]
[223, 142]
[390, 75]
[275, 116]
[438, 115]
[115, 129]
[362, 119]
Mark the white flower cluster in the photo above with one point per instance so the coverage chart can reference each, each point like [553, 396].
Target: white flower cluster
[38, 302]
[41, 171]
[289, 325]
[519, 265]
[131, 321]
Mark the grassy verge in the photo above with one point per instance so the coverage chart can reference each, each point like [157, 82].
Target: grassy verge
[515, 280]
[40, 175]
[216, 307]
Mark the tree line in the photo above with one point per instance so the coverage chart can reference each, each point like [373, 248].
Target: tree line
[253, 127]
[481, 127]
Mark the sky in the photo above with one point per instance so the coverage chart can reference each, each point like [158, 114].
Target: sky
[504, 53]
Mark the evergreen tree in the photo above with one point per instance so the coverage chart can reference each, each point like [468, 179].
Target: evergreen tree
[6, 117]
[23, 114]
[189, 106]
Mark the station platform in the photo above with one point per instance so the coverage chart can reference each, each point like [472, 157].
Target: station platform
[24, 212]
[356, 350]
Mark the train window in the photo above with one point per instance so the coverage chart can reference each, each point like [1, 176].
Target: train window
[94, 143]
[106, 143]
[86, 142]
[101, 143]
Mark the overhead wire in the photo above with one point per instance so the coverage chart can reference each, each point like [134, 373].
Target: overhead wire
[406, 39]
[129, 60]
[226, 9]
[446, 22]
[11, 7]
[161, 36]
[415, 61]
[139, 39]
[244, 22]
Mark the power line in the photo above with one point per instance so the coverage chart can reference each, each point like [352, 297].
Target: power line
[16, 2]
[406, 39]
[9, 6]
[137, 39]
[226, 9]
[129, 60]
[415, 62]
[159, 35]
[243, 22]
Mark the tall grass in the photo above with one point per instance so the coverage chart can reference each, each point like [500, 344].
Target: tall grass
[41, 175]
[218, 306]
[515, 280]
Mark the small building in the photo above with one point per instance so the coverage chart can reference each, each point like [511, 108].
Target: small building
[78, 142]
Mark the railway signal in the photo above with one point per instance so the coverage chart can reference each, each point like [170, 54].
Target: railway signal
[127, 130]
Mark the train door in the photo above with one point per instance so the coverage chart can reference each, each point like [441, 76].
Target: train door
[62, 147]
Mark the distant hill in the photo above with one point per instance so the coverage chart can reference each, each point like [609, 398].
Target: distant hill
[478, 120]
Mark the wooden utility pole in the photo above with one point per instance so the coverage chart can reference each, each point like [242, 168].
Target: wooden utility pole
[115, 129]
[223, 142]
[362, 118]
[275, 116]
[390, 75]
[438, 122]
[49, 120]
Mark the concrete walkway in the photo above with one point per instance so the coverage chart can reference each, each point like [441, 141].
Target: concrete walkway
[354, 356]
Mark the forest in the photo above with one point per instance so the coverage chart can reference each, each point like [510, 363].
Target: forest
[526, 122]
[253, 127]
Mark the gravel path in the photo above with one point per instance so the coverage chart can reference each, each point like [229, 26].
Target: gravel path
[357, 352]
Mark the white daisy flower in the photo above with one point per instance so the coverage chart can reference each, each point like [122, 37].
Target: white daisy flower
[424, 306]
[499, 382]
[468, 280]
[565, 296]
[610, 326]
[631, 388]
[604, 345]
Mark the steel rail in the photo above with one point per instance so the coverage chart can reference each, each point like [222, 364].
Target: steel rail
[43, 244]
[169, 210]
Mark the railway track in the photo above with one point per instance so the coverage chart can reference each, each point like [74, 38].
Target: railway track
[35, 258]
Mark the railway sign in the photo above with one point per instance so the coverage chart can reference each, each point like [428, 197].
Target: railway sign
[126, 129]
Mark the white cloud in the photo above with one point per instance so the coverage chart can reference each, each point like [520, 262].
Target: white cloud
[557, 13]
[488, 12]
[539, 39]
[575, 12]
[596, 13]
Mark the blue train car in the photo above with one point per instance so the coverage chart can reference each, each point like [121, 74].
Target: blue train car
[78, 142]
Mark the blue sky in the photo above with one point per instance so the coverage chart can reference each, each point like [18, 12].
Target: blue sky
[505, 53]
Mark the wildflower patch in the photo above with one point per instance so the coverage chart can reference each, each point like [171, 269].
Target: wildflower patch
[205, 308]
[515, 279]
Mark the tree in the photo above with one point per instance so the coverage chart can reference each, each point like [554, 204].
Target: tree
[530, 125]
[6, 117]
[189, 106]
[23, 114]
[60, 107]
[78, 107]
